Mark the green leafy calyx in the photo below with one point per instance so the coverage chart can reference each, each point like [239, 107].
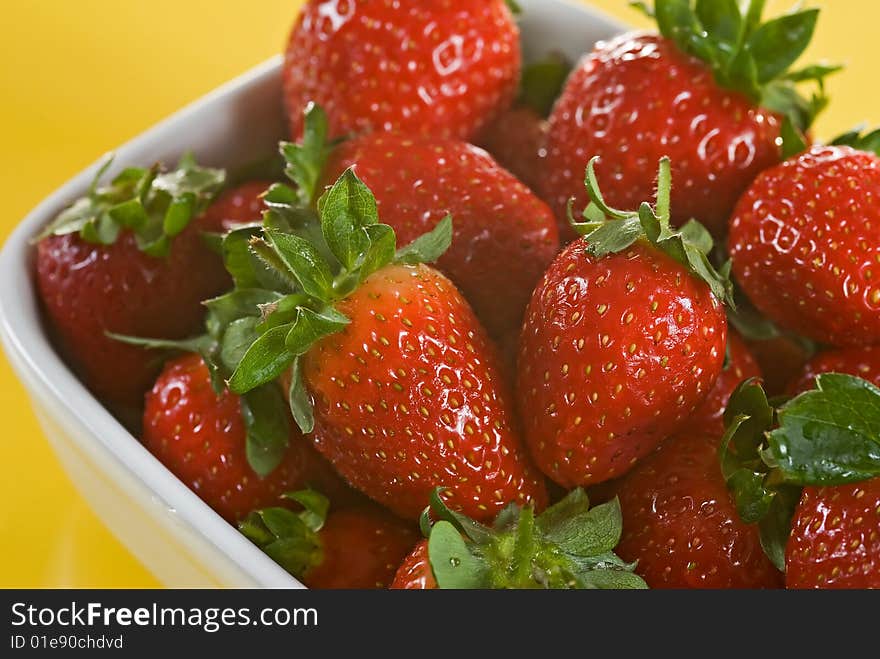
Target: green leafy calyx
[290, 538]
[827, 436]
[155, 205]
[861, 140]
[748, 54]
[608, 231]
[569, 546]
[542, 82]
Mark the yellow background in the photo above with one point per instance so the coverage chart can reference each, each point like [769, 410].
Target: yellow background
[79, 77]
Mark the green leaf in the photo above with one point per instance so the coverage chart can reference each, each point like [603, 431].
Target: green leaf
[643, 8]
[299, 400]
[178, 214]
[793, 141]
[775, 527]
[471, 529]
[514, 7]
[311, 326]
[267, 426]
[238, 259]
[588, 533]
[285, 538]
[238, 336]
[315, 507]
[542, 82]
[575, 503]
[869, 142]
[264, 361]
[304, 262]
[239, 303]
[307, 159]
[777, 44]
[677, 21]
[831, 435]
[453, 564]
[383, 246]
[428, 247]
[195, 344]
[722, 19]
[345, 210]
[614, 236]
[610, 580]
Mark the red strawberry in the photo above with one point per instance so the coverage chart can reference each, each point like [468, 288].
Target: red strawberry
[441, 68]
[861, 362]
[348, 548]
[621, 342]
[780, 360]
[95, 275]
[569, 546]
[835, 538]
[642, 96]
[415, 572]
[391, 369]
[741, 365]
[805, 247]
[517, 141]
[505, 237]
[681, 525]
[200, 437]
[242, 204]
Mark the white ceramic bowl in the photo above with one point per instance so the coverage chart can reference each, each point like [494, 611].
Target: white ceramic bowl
[167, 527]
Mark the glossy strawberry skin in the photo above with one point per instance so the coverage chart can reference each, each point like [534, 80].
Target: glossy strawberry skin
[505, 237]
[361, 548]
[861, 362]
[200, 437]
[835, 538]
[242, 204]
[616, 353]
[681, 524]
[781, 360]
[741, 366]
[804, 245]
[517, 140]
[440, 68]
[638, 98]
[409, 397]
[415, 572]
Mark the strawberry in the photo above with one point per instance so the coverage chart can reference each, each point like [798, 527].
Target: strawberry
[835, 538]
[569, 546]
[740, 366]
[328, 548]
[517, 139]
[201, 437]
[780, 359]
[710, 92]
[442, 68]
[862, 362]
[415, 572]
[805, 247]
[808, 474]
[623, 340]
[242, 204]
[505, 237]
[129, 258]
[681, 525]
[388, 368]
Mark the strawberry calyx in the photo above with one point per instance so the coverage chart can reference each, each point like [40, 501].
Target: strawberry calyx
[542, 82]
[568, 546]
[609, 231]
[288, 537]
[746, 53]
[773, 448]
[860, 140]
[153, 204]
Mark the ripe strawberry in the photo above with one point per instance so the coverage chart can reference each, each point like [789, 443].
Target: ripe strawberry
[517, 141]
[415, 572]
[442, 68]
[391, 369]
[807, 473]
[242, 204]
[804, 245]
[779, 359]
[741, 365]
[710, 94]
[861, 362]
[201, 437]
[107, 264]
[569, 546]
[835, 538]
[347, 548]
[505, 237]
[624, 338]
[680, 522]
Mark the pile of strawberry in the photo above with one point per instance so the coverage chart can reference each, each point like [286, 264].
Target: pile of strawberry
[408, 365]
